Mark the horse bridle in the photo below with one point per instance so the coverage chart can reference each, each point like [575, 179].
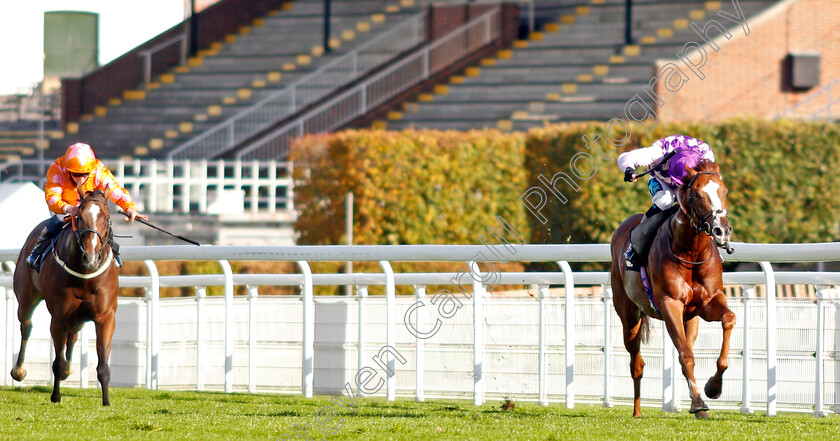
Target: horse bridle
[103, 240]
[700, 225]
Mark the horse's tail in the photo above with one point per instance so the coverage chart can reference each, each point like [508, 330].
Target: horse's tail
[644, 328]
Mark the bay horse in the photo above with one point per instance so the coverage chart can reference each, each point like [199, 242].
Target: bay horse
[78, 280]
[686, 277]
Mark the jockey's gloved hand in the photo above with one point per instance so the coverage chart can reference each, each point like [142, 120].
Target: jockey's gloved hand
[630, 175]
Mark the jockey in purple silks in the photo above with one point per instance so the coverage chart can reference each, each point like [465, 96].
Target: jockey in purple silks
[667, 158]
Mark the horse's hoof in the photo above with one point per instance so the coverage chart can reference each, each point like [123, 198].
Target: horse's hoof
[702, 415]
[19, 374]
[713, 390]
[55, 398]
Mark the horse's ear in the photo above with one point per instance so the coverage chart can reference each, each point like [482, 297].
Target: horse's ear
[107, 192]
[690, 173]
[80, 190]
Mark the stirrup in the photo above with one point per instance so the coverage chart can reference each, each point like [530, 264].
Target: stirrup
[630, 258]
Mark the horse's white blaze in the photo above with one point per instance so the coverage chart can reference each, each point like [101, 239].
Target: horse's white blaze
[712, 190]
[94, 212]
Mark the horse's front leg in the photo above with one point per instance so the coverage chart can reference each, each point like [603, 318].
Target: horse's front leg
[59, 335]
[25, 310]
[716, 310]
[672, 315]
[104, 334]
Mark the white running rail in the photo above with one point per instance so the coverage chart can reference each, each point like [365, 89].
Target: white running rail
[399, 77]
[304, 91]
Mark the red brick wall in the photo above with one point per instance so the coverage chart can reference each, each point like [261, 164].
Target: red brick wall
[744, 78]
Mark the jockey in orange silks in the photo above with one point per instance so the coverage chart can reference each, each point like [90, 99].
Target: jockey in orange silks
[78, 166]
[667, 159]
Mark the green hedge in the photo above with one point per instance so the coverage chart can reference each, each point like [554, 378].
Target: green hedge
[418, 187]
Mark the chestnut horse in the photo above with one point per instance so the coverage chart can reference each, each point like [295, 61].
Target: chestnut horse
[79, 282]
[685, 272]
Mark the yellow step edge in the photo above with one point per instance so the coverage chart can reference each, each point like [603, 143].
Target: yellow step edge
[214, 110]
[392, 9]
[568, 88]
[258, 84]
[712, 6]
[504, 125]
[379, 125]
[425, 97]
[114, 102]
[171, 134]
[289, 66]
[697, 14]
[598, 2]
[348, 35]
[167, 78]
[72, 128]
[472, 72]
[194, 62]
[456, 79]
[182, 69]
[585, 78]
[504, 54]
[244, 30]
[616, 59]
[520, 44]
[207, 53]
[601, 70]
[632, 50]
[680, 24]
[243, 94]
[185, 127]
[86, 118]
[134, 95]
[406, 3]
[304, 59]
[582, 10]
[258, 22]
[228, 100]
[519, 114]
[287, 6]
[156, 143]
[230, 38]
[551, 27]
[553, 96]
[411, 107]
[664, 32]
[274, 77]
[335, 43]
[536, 107]
[536, 36]
[153, 85]
[216, 46]
[127, 158]
[317, 51]
[441, 89]
[363, 26]
[393, 114]
[488, 61]
[648, 39]
[567, 19]
[377, 18]
[141, 151]
[100, 110]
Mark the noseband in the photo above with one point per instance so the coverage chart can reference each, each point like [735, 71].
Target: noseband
[701, 225]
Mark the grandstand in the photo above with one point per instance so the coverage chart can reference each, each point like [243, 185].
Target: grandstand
[261, 69]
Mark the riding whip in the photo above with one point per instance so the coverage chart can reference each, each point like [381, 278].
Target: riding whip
[147, 223]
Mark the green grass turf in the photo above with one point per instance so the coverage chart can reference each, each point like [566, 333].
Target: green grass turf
[27, 414]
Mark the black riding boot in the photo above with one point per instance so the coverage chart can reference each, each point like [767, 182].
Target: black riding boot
[34, 259]
[643, 234]
[115, 249]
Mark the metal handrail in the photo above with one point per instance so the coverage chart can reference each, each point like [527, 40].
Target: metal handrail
[147, 55]
[826, 109]
[275, 144]
[285, 102]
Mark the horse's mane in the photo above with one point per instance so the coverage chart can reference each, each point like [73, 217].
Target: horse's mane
[706, 165]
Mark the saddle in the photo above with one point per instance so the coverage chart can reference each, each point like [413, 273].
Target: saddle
[46, 250]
